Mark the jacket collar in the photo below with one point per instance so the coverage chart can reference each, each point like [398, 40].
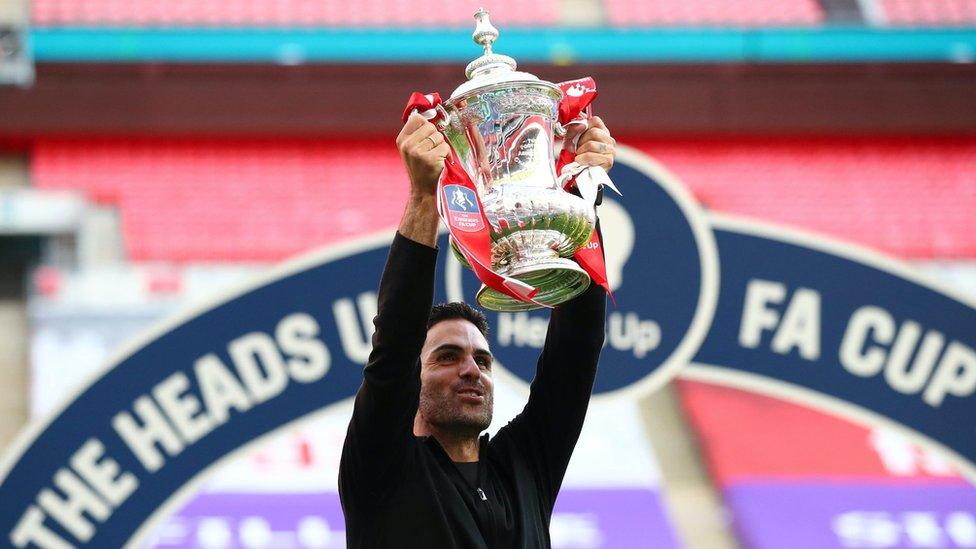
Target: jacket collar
[435, 445]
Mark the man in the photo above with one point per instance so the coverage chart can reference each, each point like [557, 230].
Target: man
[414, 472]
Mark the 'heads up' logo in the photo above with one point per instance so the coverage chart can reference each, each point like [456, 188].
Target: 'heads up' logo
[663, 269]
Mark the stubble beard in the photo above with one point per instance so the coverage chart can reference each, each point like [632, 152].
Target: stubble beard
[444, 415]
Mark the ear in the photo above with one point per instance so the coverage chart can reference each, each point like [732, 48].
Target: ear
[419, 425]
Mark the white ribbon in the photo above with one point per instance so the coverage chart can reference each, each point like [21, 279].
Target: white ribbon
[588, 180]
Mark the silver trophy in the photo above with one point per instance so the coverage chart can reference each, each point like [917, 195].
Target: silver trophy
[501, 124]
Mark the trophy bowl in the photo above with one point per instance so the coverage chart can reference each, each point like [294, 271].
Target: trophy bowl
[501, 125]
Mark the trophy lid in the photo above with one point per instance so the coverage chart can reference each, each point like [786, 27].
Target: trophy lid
[491, 68]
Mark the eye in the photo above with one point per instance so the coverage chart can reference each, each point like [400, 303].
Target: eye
[448, 357]
[484, 362]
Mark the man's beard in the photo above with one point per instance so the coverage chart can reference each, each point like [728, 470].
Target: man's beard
[440, 412]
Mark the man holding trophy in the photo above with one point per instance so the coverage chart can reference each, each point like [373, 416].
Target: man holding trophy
[415, 470]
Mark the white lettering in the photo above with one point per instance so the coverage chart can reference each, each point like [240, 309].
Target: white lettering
[356, 341]
[855, 355]
[69, 510]
[907, 529]
[252, 351]
[902, 458]
[143, 440]
[30, 529]
[522, 330]
[866, 529]
[310, 357]
[757, 316]
[219, 389]
[911, 379]
[922, 529]
[182, 407]
[102, 473]
[955, 375]
[76, 499]
[801, 326]
[798, 328]
[961, 527]
[630, 333]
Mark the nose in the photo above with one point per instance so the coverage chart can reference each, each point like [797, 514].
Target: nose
[469, 368]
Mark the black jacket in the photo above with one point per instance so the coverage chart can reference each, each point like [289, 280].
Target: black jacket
[399, 490]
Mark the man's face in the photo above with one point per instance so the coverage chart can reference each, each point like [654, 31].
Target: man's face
[455, 378]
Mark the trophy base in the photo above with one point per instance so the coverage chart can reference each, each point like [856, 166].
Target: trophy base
[558, 280]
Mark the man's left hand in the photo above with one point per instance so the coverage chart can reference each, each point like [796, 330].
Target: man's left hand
[595, 146]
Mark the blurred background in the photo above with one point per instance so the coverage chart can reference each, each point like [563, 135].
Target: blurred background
[154, 153]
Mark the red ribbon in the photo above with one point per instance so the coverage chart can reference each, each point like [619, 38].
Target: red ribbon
[575, 108]
[425, 105]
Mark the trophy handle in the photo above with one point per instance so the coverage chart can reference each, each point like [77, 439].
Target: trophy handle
[443, 118]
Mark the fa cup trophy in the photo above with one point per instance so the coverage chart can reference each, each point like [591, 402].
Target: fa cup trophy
[501, 125]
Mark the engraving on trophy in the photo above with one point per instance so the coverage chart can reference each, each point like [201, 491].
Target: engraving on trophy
[541, 102]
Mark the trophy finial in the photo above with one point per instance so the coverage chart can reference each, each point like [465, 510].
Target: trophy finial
[484, 33]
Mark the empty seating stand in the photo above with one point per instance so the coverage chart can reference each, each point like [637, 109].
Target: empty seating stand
[219, 200]
[457, 13]
[910, 197]
[929, 13]
[277, 13]
[751, 13]
[231, 201]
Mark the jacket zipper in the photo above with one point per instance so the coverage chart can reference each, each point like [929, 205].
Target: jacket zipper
[491, 518]
[482, 478]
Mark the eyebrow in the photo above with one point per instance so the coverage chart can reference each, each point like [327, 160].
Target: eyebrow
[458, 348]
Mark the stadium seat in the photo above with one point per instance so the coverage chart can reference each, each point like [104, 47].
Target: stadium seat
[210, 200]
[630, 13]
[912, 198]
[276, 13]
[929, 13]
[401, 13]
[240, 201]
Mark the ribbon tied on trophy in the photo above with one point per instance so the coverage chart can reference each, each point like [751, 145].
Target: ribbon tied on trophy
[464, 214]
[506, 199]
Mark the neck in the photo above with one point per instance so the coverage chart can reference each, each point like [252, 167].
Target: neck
[461, 447]
[465, 448]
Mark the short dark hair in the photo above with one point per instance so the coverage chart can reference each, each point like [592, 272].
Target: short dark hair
[458, 310]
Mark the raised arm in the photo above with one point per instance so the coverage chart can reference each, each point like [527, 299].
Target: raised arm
[547, 429]
[423, 150]
[380, 431]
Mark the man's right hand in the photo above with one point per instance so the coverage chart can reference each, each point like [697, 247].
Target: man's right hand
[423, 150]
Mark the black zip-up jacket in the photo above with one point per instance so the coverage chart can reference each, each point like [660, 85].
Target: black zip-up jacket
[402, 491]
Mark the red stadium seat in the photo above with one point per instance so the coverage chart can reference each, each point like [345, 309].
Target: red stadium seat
[309, 13]
[280, 13]
[265, 200]
[218, 201]
[912, 198]
[929, 13]
[750, 13]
